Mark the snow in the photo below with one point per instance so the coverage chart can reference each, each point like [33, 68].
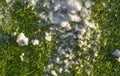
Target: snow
[22, 40]
[35, 42]
[116, 53]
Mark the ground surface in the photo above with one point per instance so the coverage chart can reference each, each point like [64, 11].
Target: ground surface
[73, 37]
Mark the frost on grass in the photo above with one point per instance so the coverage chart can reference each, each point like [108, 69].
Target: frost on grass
[22, 40]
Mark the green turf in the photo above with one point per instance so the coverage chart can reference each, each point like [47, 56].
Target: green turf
[22, 19]
[106, 14]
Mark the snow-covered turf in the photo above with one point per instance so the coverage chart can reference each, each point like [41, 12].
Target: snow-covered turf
[58, 38]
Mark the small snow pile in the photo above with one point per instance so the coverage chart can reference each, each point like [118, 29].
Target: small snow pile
[21, 56]
[89, 3]
[54, 73]
[13, 34]
[63, 10]
[35, 42]
[117, 54]
[33, 2]
[65, 24]
[48, 36]
[8, 1]
[22, 40]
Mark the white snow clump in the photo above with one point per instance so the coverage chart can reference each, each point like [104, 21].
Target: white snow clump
[22, 40]
[35, 42]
